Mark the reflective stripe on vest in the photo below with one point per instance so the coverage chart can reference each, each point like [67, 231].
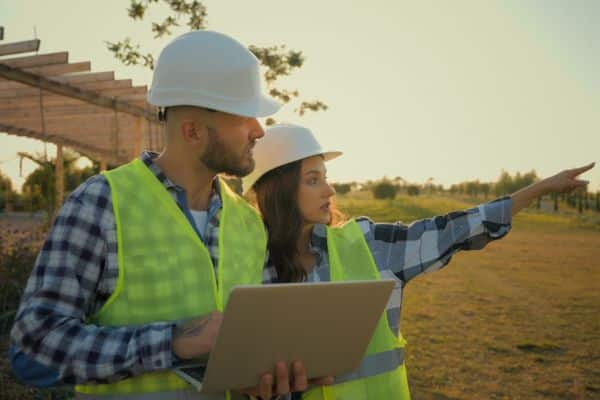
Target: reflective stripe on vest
[165, 271]
[375, 364]
[190, 394]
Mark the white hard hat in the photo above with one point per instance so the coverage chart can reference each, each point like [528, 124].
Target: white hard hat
[211, 70]
[283, 144]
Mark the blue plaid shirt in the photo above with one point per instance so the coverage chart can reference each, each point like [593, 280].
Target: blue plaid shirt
[402, 252]
[74, 274]
[77, 269]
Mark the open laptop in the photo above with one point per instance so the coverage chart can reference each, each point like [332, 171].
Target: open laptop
[326, 325]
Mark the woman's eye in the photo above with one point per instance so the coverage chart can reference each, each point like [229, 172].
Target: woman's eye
[313, 181]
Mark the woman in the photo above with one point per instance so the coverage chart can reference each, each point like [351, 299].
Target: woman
[295, 200]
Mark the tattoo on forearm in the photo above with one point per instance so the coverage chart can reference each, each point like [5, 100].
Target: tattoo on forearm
[191, 328]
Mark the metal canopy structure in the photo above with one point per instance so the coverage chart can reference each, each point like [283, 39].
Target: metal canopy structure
[45, 97]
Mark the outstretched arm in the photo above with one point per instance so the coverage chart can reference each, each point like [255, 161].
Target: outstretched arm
[428, 245]
[563, 182]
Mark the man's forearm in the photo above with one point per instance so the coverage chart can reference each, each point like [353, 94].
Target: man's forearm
[79, 353]
[195, 338]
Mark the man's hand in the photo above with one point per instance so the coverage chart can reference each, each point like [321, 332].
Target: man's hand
[196, 338]
[283, 383]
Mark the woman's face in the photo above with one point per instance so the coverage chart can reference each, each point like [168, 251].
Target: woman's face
[314, 193]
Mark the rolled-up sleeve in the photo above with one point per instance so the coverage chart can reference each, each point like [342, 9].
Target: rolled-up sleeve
[51, 333]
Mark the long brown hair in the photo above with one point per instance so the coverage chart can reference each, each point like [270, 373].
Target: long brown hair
[277, 199]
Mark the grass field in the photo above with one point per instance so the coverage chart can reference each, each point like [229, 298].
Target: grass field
[517, 320]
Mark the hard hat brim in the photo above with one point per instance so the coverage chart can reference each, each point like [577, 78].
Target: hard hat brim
[262, 106]
[249, 181]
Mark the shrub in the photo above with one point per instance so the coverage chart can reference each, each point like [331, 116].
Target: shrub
[385, 190]
[342, 188]
[18, 251]
[413, 190]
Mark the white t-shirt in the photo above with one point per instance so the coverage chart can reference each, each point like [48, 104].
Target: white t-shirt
[200, 219]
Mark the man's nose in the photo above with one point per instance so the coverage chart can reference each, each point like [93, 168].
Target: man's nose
[257, 130]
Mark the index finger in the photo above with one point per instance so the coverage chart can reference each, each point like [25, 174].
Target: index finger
[581, 170]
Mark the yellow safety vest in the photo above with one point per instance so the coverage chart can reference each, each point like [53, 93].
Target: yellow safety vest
[382, 372]
[165, 271]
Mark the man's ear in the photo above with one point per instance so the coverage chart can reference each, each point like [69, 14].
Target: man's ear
[192, 132]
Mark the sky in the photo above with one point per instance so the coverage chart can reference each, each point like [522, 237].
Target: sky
[452, 91]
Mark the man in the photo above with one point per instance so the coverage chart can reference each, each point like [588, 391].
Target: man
[137, 254]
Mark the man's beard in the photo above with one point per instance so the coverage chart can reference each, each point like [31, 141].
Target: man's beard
[220, 159]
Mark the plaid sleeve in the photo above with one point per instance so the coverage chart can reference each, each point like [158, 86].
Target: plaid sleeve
[428, 245]
[67, 286]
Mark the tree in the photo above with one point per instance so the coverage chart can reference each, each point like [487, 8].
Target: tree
[399, 181]
[571, 200]
[472, 188]
[384, 190]
[429, 186]
[503, 184]
[485, 188]
[6, 192]
[278, 60]
[342, 188]
[413, 190]
[507, 184]
[39, 189]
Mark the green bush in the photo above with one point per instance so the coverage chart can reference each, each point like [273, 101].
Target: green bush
[385, 190]
[413, 190]
[18, 251]
[342, 188]
[17, 256]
